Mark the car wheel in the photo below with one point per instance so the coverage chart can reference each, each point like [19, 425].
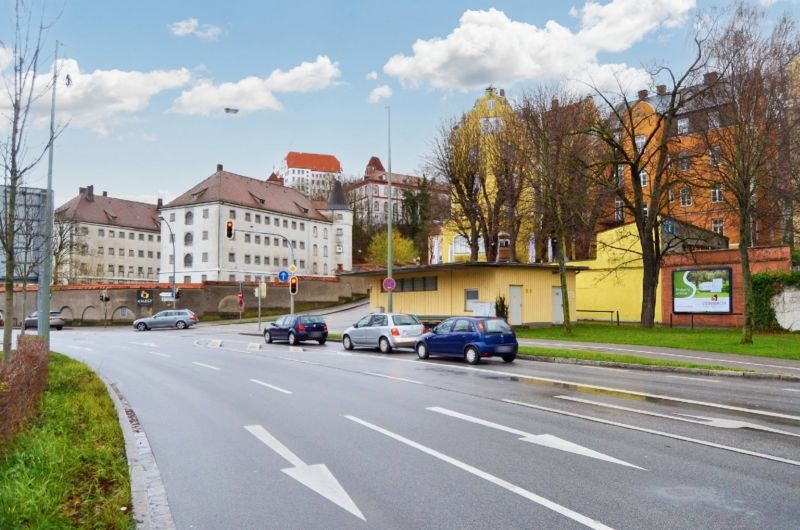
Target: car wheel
[472, 355]
[422, 351]
[59, 328]
[292, 339]
[141, 326]
[384, 345]
[509, 358]
[180, 324]
[321, 341]
[268, 337]
[347, 343]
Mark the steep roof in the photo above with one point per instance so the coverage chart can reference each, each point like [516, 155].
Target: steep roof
[230, 188]
[102, 209]
[374, 165]
[314, 162]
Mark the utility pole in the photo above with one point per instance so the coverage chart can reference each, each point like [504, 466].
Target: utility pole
[389, 258]
[174, 259]
[46, 272]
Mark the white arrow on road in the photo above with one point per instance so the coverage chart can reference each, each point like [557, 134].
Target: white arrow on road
[545, 440]
[315, 477]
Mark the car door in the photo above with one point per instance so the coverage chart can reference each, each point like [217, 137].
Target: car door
[437, 342]
[376, 327]
[357, 333]
[463, 333]
[278, 330]
[158, 320]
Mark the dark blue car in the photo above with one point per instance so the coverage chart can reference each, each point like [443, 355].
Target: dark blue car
[470, 338]
[297, 328]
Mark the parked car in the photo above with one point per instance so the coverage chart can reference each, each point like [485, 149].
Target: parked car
[297, 328]
[384, 331]
[471, 338]
[32, 320]
[177, 318]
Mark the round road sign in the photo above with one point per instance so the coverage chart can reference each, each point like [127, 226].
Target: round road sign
[389, 284]
[283, 276]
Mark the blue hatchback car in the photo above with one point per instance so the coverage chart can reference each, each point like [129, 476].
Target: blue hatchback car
[297, 328]
[471, 338]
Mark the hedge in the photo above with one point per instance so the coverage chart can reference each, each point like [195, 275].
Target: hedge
[766, 285]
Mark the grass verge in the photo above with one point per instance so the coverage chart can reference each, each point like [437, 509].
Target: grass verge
[531, 351]
[777, 345]
[68, 469]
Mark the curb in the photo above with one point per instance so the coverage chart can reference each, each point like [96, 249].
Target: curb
[148, 496]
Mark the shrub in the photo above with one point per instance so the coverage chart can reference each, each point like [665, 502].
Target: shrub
[22, 382]
[766, 285]
[796, 257]
[501, 307]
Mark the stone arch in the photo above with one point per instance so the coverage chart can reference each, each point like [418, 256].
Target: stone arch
[116, 315]
[91, 313]
[67, 313]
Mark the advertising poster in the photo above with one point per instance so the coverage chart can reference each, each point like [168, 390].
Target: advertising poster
[702, 291]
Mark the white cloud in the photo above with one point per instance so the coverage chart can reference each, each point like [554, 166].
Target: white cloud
[5, 57]
[255, 93]
[380, 92]
[192, 26]
[488, 47]
[372, 76]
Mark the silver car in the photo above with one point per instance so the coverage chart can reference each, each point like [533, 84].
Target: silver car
[32, 321]
[383, 331]
[173, 318]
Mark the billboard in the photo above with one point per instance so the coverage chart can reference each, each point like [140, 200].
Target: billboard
[702, 290]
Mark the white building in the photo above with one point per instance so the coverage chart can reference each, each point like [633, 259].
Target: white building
[29, 237]
[312, 174]
[271, 223]
[114, 239]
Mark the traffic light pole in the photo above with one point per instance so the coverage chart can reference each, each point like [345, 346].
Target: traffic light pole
[174, 259]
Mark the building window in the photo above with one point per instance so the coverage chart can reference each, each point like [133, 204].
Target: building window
[684, 162]
[644, 212]
[231, 277]
[325, 251]
[171, 259]
[670, 195]
[619, 175]
[314, 232]
[686, 196]
[302, 264]
[150, 237]
[715, 156]
[205, 235]
[171, 217]
[294, 225]
[717, 226]
[683, 125]
[325, 233]
[294, 244]
[266, 220]
[257, 260]
[285, 244]
[266, 241]
[131, 235]
[205, 213]
[188, 219]
[140, 272]
[188, 239]
[111, 233]
[247, 238]
[204, 257]
[130, 253]
[285, 223]
[314, 250]
[149, 253]
[325, 269]
[110, 251]
[285, 262]
[669, 227]
[149, 271]
[121, 270]
[247, 277]
[101, 232]
[639, 139]
[141, 237]
[158, 255]
[100, 250]
[302, 245]
[643, 178]
[713, 119]
[619, 211]
[258, 218]
[187, 279]
[111, 270]
[257, 239]
[232, 257]
[247, 217]
[203, 278]
[232, 214]
[716, 192]
[470, 295]
[339, 232]
[302, 226]
[247, 259]
[141, 253]
[266, 260]
[314, 268]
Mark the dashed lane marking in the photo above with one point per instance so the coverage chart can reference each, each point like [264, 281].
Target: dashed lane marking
[206, 366]
[273, 387]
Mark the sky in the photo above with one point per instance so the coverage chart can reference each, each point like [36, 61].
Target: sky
[144, 112]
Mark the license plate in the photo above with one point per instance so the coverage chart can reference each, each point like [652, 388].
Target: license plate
[315, 334]
[505, 349]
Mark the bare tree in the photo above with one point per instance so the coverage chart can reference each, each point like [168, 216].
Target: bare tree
[30, 243]
[65, 244]
[563, 156]
[750, 129]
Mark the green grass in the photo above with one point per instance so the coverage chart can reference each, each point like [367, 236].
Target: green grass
[335, 336]
[530, 351]
[68, 468]
[779, 345]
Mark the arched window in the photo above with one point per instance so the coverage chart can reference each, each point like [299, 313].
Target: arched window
[315, 231]
[686, 196]
[314, 268]
[325, 233]
[314, 250]
[325, 269]
[187, 260]
[325, 251]
[188, 218]
[188, 239]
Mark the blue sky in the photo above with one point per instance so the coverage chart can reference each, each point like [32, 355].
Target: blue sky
[150, 78]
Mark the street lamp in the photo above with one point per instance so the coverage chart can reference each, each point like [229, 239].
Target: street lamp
[389, 258]
[174, 259]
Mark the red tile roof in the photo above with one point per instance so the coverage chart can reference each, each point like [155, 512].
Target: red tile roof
[230, 188]
[314, 162]
[101, 209]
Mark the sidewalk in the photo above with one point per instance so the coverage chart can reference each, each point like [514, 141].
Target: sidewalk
[741, 362]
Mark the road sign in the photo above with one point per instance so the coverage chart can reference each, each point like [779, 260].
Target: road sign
[389, 284]
[165, 297]
[283, 276]
[292, 268]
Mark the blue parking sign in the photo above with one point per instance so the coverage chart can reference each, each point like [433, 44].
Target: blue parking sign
[283, 276]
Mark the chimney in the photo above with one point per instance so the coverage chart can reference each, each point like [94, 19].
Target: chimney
[642, 95]
[90, 193]
[710, 78]
[554, 103]
[502, 92]
[105, 194]
[661, 90]
[159, 203]
[81, 191]
[219, 168]
[490, 90]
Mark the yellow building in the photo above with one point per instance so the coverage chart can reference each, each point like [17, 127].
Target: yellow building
[532, 291]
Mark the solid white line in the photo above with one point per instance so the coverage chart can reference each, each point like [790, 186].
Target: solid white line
[273, 443]
[657, 433]
[273, 387]
[394, 378]
[206, 366]
[575, 516]
[792, 389]
[695, 379]
[159, 354]
[298, 361]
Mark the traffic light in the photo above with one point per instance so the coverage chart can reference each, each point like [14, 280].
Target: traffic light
[104, 296]
[177, 293]
[229, 229]
[293, 284]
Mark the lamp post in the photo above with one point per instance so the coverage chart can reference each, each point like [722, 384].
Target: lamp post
[389, 258]
[174, 259]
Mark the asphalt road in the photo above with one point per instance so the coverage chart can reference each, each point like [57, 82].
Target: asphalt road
[321, 438]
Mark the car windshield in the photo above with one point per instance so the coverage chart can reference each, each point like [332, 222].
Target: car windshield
[313, 320]
[496, 325]
[405, 320]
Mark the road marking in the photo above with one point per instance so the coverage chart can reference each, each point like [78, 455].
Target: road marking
[657, 433]
[299, 361]
[701, 420]
[575, 516]
[253, 346]
[544, 440]
[273, 387]
[792, 389]
[215, 343]
[148, 344]
[573, 346]
[695, 379]
[207, 366]
[394, 378]
[316, 477]
[159, 354]
[295, 349]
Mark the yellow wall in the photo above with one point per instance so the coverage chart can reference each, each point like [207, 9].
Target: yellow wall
[448, 299]
[614, 279]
